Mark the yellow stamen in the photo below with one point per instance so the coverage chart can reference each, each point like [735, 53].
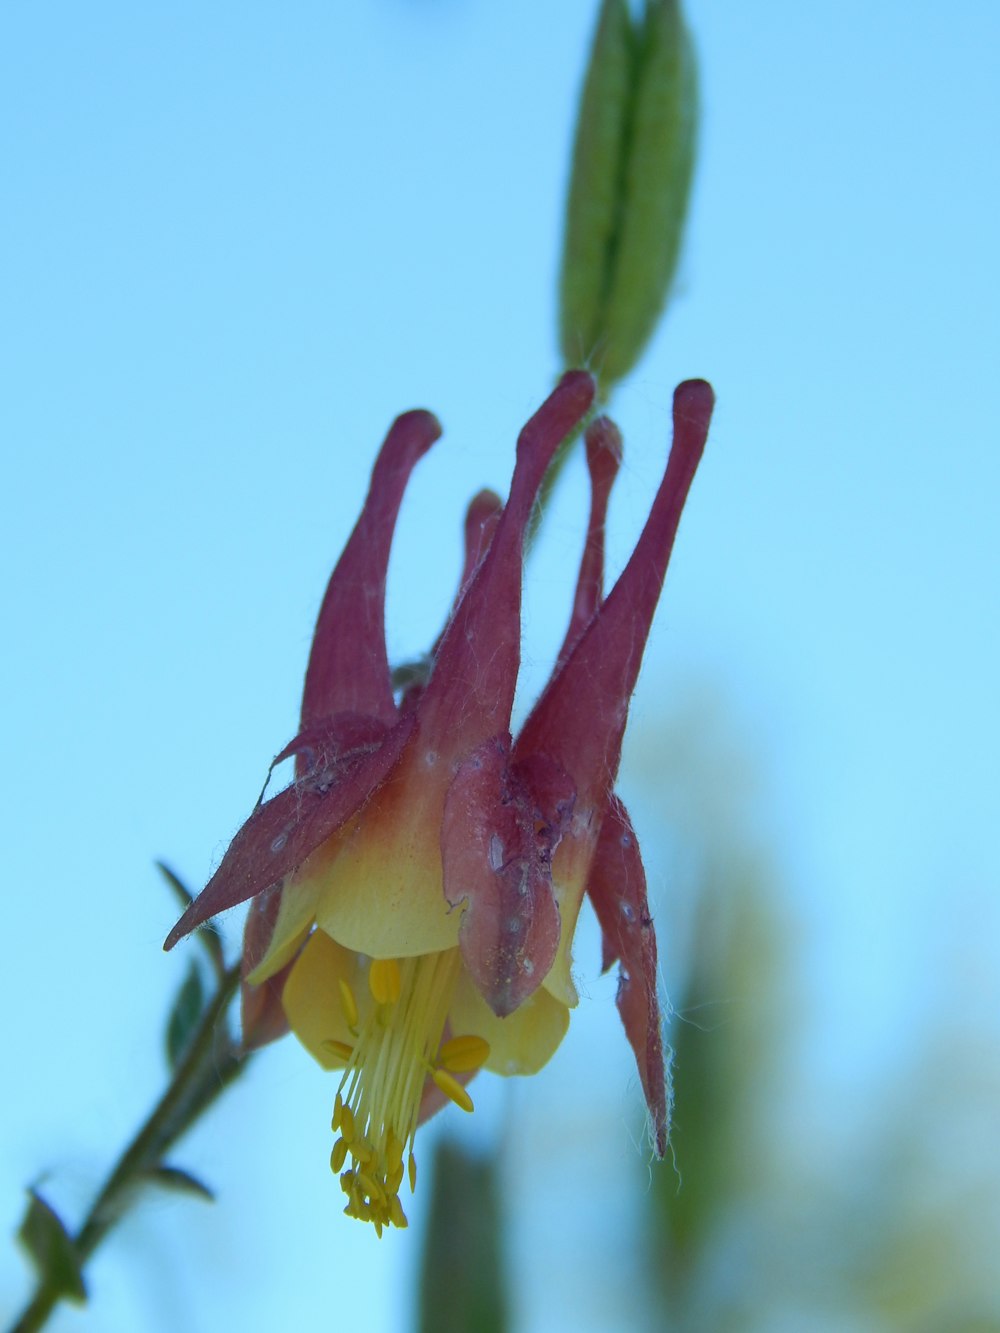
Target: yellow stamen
[362, 1152]
[460, 1055]
[338, 1111]
[368, 1185]
[385, 980]
[347, 1124]
[451, 1087]
[393, 1152]
[340, 1049]
[348, 1003]
[398, 1044]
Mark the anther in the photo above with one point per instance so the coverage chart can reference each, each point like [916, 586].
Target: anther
[362, 1151]
[385, 980]
[460, 1055]
[411, 1168]
[368, 1185]
[339, 1156]
[452, 1088]
[348, 1003]
[347, 1124]
[339, 1049]
[338, 1111]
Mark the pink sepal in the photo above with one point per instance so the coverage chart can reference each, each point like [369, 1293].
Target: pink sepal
[501, 825]
[616, 886]
[262, 1013]
[349, 764]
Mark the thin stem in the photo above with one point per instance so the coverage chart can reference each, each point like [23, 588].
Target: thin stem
[208, 1066]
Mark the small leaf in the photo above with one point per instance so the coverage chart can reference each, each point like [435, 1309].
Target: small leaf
[183, 894]
[207, 933]
[52, 1251]
[182, 1182]
[184, 1016]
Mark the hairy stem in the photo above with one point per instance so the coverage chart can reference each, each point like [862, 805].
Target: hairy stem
[211, 1062]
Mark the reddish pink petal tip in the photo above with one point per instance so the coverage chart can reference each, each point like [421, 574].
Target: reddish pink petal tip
[563, 410]
[582, 378]
[421, 423]
[604, 444]
[483, 509]
[693, 403]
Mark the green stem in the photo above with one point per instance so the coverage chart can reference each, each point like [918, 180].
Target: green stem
[207, 1068]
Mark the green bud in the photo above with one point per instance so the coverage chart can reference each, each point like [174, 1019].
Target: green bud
[632, 166]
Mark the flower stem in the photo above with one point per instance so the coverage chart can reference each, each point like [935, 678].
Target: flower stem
[212, 1061]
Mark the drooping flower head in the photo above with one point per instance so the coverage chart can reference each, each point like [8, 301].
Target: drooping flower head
[416, 887]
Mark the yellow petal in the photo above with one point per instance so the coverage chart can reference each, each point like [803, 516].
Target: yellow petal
[519, 1044]
[299, 896]
[313, 1002]
[569, 876]
[383, 895]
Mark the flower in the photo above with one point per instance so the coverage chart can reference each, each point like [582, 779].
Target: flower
[416, 887]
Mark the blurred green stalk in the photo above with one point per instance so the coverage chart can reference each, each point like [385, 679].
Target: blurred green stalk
[463, 1282]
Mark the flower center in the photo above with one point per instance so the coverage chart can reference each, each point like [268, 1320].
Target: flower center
[398, 1046]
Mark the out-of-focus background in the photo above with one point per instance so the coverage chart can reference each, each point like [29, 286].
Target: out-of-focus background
[235, 243]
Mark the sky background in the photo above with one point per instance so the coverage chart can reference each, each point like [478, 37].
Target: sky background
[236, 241]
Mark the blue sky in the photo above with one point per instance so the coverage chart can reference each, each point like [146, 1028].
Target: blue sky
[236, 242]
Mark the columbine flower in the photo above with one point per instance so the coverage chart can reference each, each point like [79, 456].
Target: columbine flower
[416, 888]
